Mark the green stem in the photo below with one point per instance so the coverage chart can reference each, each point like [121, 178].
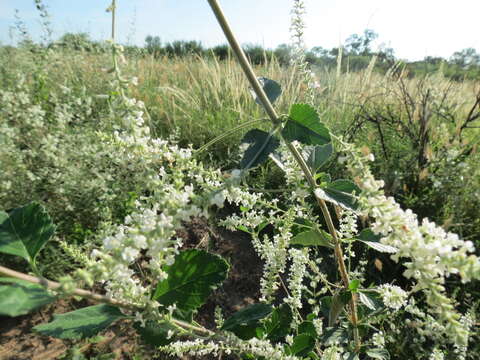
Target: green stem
[227, 134]
[248, 70]
[114, 8]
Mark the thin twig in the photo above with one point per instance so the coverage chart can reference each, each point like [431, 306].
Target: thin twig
[86, 294]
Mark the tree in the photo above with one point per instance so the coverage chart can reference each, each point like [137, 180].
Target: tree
[153, 44]
[466, 58]
[360, 44]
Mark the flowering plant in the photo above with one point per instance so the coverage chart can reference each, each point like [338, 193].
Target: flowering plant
[316, 298]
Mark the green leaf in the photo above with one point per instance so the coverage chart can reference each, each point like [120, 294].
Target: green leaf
[307, 327]
[82, 323]
[368, 235]
[3, 216]
[367, 301]
[312, 238]
[302, 344]
[351, 356]
[155, 333]
[339, 301]
[191, 278]
[272, 89]
[381, 247]
[304, 125]
[319, 156]
[26, 231]
[278, 324]
[340, 192]
[334, 335]
[372, 301]
[261, 144]
[18, 297]
[353, 286]
[381, 354]
[247, 316]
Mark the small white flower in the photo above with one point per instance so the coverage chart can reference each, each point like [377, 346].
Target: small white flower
[129, 254]
[218, 199]
[393, 296]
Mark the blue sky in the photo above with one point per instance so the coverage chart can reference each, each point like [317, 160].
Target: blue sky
[414, 28]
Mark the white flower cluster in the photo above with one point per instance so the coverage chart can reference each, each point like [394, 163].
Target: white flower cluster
[431, 254]
[297, 29]
[437, 355]
[348, 224]
[393, 296]
[378, 339]
[274, 253]
[293, 173]
[332, 353]
[298, 268]
[229, 345]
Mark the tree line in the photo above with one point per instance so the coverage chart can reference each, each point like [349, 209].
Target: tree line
[355, 54]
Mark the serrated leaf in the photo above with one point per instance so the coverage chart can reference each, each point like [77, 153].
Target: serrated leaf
[155, 333]
[302, 345]
[304, 125]
[307, 327]
[271, 88]
[247, 316]
[335, 335]
[278, 324]
[367, 301]
[340, 192]
[82, 323]
[260, 145]
[319, 156]
[312, 238]
[191, 279]
[339, 300]
[381, 247]
[25, 231]
[19, 297]
[381, 354]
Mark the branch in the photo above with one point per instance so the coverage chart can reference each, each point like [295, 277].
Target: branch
[53, 285]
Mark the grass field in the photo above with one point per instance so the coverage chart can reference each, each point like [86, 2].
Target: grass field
[57, 114]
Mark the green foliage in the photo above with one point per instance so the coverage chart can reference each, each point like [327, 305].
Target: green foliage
[26, 231]
[421, 136]
[342, 192]
[302, 345]
[3, 216]
[272, 90]
[244, 323]
[338, 302]
[260, 145]
[191, 278]
[304, 125]
[316, 237]
[381, 354]
[319, 156]
[277, 326]
[155, 333]
[19, 297]
[82, 323]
